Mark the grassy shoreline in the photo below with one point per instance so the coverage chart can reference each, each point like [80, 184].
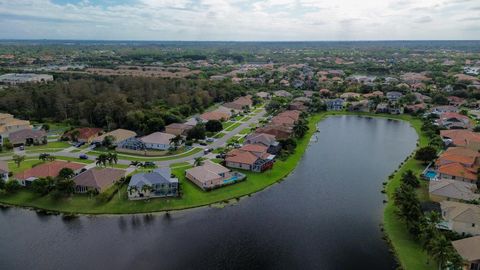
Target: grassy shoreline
[407, 250]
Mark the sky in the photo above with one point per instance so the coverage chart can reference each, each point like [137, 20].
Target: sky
[240, 20]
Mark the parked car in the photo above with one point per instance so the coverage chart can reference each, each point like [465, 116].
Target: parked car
[21, 148]
[206, 151]
[210, 140]
[79, 144]
[148, 164]
[83, 156]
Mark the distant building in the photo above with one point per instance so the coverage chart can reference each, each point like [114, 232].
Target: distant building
[334, 104]
[121, 137]
[19, 78]
[28, 137]
[178, 129]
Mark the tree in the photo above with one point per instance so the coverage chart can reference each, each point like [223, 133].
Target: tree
[46, 157]
[18, 159]
[108, 141]
[42, 185]
[198, 161]
[441, 251]
[66, 173]
[64, 186]
[300, 129]
[12, 186]
[176, 141]
[410, 179]
[102, 160]
[46, 127]
[74, 135]
[196, 133]
[426, 154]
[112, 158]
[214, 126]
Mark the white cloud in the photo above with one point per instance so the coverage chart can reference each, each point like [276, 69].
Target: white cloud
[240, 19]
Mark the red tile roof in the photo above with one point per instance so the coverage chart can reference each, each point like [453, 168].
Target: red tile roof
[460, 137]
[456, 169]
[48, 169]
[254, 148]
[240, 156]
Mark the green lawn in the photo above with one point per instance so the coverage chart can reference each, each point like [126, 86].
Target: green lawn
[245, 131]
[179, 164]
[143, 158]
[56, 146]
[232, 127]
[219, 135]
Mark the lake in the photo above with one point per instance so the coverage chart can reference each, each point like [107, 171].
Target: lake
[325, 215]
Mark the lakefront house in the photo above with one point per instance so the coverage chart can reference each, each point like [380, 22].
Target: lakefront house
[155, 184]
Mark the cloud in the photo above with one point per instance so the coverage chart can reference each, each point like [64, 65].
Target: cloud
[424, 19]
[238, 19]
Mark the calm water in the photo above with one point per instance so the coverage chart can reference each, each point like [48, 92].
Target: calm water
[326, 215]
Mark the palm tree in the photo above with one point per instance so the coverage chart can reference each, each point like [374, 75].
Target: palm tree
[18, 159]
[112, 158]
[441, 251]
[176, 141]
[198, 161]
[300, 128]
[410, 179]
[102, 160]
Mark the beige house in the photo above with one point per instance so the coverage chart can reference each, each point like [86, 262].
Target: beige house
[211, 175]
[452, 190]
[122, 137]
[99, 179]
[461, 217]
[178, 129]
[9, 124]
[469, 250]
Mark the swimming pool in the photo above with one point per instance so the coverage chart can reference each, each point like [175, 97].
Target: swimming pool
[431, 175]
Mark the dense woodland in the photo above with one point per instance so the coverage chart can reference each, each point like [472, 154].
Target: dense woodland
[140, 104]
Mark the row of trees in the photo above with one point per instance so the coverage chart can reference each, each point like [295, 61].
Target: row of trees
[142, 104]
[424, 227]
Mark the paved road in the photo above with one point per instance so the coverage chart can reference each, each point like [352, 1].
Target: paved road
[217, 143]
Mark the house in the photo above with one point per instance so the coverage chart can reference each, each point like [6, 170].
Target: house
[451, 190]
[415, 107]
[178, 129]
[282, 93]
[85, 135]
[214, 115]
[240, 103]
[28, 137]
[382, 108]
[155, 184]
[359, 106]
[373, 94]
[251, 157]
[394, 96]
[98, 179]
[280, 132]
[422, 98]
[462, 218]
[263, 95]
[438, 110]
[4, 171]
[268, 140]
[324, 92]
[157, 141]
[469, 250]
[465, 156]
[50, 169]
[298, 106]
[121, 137]
[350, 95]
[455, 101]
[9, 124]
[451, 120]
[212, 175]
[458, 172]
[460, 137]
[334, 104]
